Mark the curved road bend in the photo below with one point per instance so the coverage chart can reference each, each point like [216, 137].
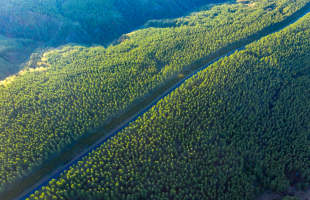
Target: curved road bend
[55, 173]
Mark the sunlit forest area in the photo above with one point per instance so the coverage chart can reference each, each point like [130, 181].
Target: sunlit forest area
[58, 22]
[226, 119]
[231, 131]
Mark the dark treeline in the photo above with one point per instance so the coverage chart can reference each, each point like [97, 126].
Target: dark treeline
[13, 52]
[59, 22]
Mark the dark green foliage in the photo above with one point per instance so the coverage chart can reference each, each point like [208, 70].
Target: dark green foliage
[14, 52]
[84, 21]
[289, 198]
[58, 22]
[42, 113]
[239, 124]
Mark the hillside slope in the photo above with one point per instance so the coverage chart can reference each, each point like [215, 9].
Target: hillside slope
[231, 131]
[58, 22]
[46, 111]
[14, 52]
[83, 21]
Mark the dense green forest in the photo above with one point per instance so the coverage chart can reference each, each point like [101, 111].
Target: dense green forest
[58, 22]
[234, 129]
[14, 52]
[83, 21]
[79, 89]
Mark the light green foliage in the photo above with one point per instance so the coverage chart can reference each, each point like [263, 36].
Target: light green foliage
[238, 125]
[42, 113]
[58, 22]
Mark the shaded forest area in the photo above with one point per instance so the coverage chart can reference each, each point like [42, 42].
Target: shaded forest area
[13, 53]
[58, 22]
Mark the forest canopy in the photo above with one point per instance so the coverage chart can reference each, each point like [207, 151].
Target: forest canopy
[79, 89]
[14, 52]
[50, 23]
[84, 21]
[233, 130]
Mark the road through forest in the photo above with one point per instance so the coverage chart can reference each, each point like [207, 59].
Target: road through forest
[55, 173]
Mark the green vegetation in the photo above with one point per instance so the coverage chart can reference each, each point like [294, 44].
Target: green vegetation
[77, 89]
[58, 22]
[232, 130]
[13, 52]
[83, 21]
[289, 198]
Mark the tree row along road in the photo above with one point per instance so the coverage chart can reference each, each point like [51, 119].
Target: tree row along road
[120, 127]
[77, 89]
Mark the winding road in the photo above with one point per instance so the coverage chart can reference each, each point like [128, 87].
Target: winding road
[55, 173]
